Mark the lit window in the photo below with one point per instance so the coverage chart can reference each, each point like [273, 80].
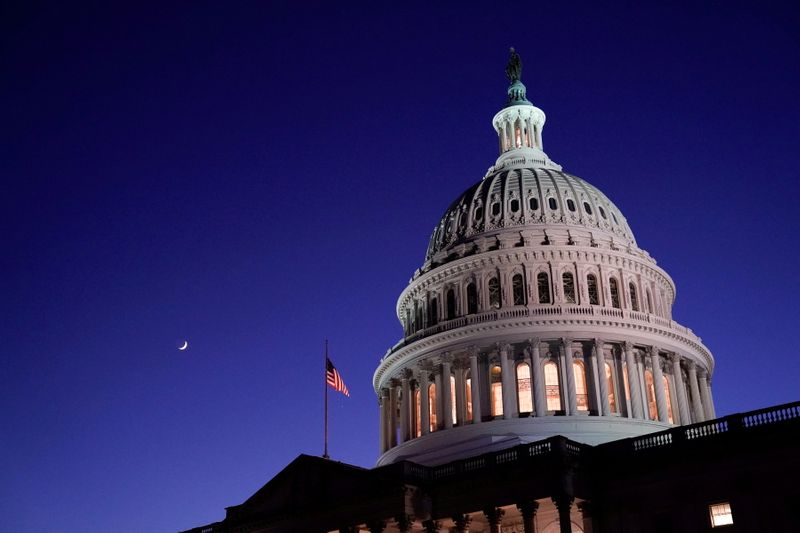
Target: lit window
[569, 287]
[432, 407]
[524, 388]
[494, 293]
[468, 394]
[612, 398]
[651, 395]
[625, 382]
[417, 414]
[721, 514]
[543, 286]
[497, 390]
[581, 394]
[453, 398]
[669, 400]
[551, 387]
[518, 288]
[552, 203]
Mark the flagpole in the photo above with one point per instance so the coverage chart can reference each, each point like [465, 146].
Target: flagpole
[325, 379]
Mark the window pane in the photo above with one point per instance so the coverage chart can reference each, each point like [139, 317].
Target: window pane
[612, 398]
[581, 394]
[591, 285]
[524, 388]
[721, 514]
[497, 391]
[472, 299]
[634, 299]
[669, 400]
[468, 394]
[417, 414]
[533, 203]
[569, 287]
[614, 290]
[651, 395]
[518, 289]
[551, 387]
[543, 287]
[432, 406]
[494, 293]
[552, 203]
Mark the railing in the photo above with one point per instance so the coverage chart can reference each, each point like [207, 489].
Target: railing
[737, 422]
[547, 310]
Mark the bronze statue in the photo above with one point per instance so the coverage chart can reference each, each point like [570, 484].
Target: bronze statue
[514, 67]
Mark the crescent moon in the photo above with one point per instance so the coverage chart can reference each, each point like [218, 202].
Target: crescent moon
[185, 345]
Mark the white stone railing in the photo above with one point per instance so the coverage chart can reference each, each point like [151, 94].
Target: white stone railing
[543, 311]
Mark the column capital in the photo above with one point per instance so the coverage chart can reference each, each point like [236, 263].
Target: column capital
[675, 358]
[528, 507]
[446, 357]
[462, 522]
[432, 526]
[690, 365]
[654, 351]
[406, 374]
[566, 341]
[628, 345]
[384, 392]
[494, 515]
[424, 366]
[702, 373]
[472, 351]
[534, 341]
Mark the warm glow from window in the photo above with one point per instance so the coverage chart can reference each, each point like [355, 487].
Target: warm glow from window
[453, 398]
[468, 394]
[432, 406]
[651, 395]
[625, 380]
[721, 514]
[417, 414]
[524, 388]
[497, 391]
[669, 400]
[581, 394]
[551, 387]
[612, 398]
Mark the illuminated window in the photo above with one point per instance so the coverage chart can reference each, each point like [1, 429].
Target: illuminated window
[494, 293]
[468, 395]
[453, 398]
[634, 299]
[651, 395]
[497, 390]
[543, 287]
[627, 385]
[451, 304]
[581, 394]
[591, 286]
[552, 203]
[472, 299]
[417, 414]
[524, 388]
[720, 514]
[551, 386]
[613, 288]
[432, 407]
[518, 288]
[669, 401]
[569, 287]
[612, 398]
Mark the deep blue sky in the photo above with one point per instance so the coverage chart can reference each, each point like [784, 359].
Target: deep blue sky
[255, 177]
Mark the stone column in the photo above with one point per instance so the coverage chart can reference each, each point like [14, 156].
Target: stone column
[424, 401]
[537, 374]
[509, 403]
[564, 504]
[393, 413]
[702, 378]
[633, 381]
[697, 404]
[494, 516]
[405, 407]
[528, 511]
[437, 407]
[712, 413]
[599, 359]
[658, 385]
[475, 388]
[680, 389]
[462, 522]
[447, 397]
[586, 513]
[572, 401]
[383, 401]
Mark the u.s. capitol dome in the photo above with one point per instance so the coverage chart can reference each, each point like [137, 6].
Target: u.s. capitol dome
[534, 314]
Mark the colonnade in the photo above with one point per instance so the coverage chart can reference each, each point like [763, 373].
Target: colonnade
[536, 378]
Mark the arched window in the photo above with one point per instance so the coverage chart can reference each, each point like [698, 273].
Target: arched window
[591, 287]
[581, 393]
[478, 213]
[453, 398]
[494, 293]
[514, 205]
[552, 203]
[652, 407]
[612, 397]
[451, 304]
[551, 387]
[495, 209]
[668, 397]
[524, 399]
[472, 299]
[569, 287]
[432, 407]
[496, 374]
[649, 301]
[468, 394]
[518, 288]
[613, 288]
[417, 413]
[543, 287]
[433, 312]
[533, 203]
[634, 299]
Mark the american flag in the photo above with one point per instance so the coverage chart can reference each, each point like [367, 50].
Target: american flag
[335, 379]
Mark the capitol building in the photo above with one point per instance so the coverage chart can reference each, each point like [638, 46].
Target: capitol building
[541, 383]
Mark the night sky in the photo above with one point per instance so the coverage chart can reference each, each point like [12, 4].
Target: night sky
[258, 176]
